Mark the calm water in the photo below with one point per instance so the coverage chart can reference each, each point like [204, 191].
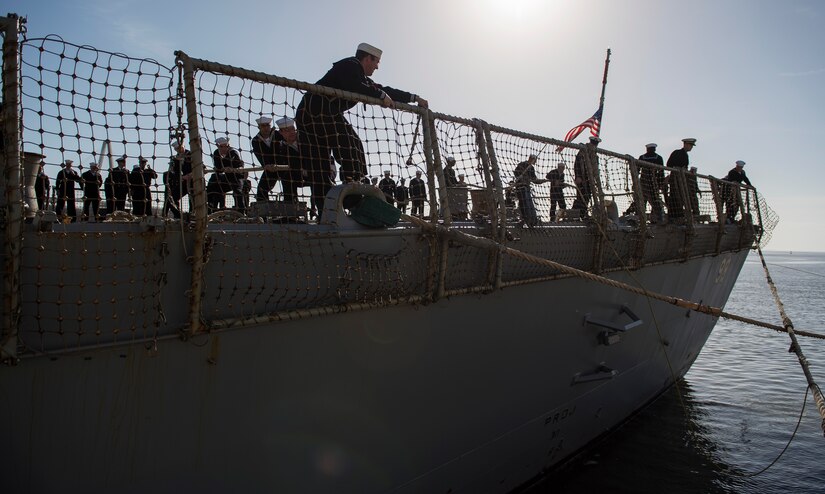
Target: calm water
[739, 404]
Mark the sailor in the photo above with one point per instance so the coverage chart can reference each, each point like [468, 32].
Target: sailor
[120, 184]
[65, 189]
[652, 182]
[290, 156]
[524, 175]
[226, 176]
[140, 183]
[321, 123]
[42, 187]
[177, 178]
[678, 159]
[582, 176]
[92, 181]
[731, 193]
[450, 179]
[387, 186]
[402, 196]
[263, 148]
[418, 192]
[556, 179]
[693, 191]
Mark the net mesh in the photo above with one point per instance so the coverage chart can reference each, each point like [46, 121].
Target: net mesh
[267, 257]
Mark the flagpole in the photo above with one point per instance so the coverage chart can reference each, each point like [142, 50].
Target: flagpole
[593, 123]
[604, 86]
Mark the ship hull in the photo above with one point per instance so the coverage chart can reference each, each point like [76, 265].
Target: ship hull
[471, 393]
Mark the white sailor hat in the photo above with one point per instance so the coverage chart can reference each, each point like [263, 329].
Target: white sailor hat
[285, 122]
[93, 165]
[263, 120]
[68, 162]
[740, 163]
[650, 145]
[221, 140]
[122, 159]
[368, 48]
[450, 159]
[689, 140]
[386, 172]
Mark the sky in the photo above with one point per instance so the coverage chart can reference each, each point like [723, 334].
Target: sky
[743, 77]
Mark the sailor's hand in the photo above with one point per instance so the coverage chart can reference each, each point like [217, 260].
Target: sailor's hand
[388, 102]
[421, 102]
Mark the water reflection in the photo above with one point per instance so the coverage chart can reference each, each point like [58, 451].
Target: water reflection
[740, 408]
[665, 448]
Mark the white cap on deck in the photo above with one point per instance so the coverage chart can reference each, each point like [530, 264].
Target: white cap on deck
[368, 48]
[221, 140]
[285, 122]
[122, 159]
[68, 162]
[740, 163]
[651, 145]
[450, 159]
[689, 140]
[263, 120]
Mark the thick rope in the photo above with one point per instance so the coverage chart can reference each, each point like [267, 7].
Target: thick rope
[487, 244]
[818, 398]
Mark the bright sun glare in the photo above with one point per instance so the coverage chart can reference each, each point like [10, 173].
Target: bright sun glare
[512, 10]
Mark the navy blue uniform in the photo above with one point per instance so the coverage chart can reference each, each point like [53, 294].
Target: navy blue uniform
[324, 131]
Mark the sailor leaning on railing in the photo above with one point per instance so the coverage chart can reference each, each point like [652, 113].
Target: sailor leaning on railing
[323, 128]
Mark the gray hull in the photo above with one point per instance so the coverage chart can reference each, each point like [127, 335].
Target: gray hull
[475, 393]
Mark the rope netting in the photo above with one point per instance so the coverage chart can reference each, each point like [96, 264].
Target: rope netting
[265, 254]
[89, 107]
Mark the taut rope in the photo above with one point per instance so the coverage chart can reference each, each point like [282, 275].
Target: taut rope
[487, 244]
[788, 326]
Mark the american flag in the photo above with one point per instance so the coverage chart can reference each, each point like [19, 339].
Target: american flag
[591, 123]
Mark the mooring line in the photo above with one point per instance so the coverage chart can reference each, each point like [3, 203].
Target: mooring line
[814, 387]
[487, 244]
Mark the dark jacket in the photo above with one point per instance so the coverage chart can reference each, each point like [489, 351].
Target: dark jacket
[556, 178]
[265, 153]
[42, 185]
[347, 74]
[290, 155]
[678, 159]
[120, 182]
[402, 194]
[64, 183]
[737, 176]
[92, 182]
[231, 160]
[417, 188]
[387, 186]
[524, 174]
[652, 177]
